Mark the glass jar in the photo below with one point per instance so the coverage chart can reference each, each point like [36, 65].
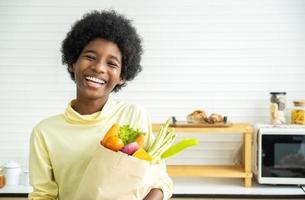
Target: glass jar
[277, 107]
[298, 113]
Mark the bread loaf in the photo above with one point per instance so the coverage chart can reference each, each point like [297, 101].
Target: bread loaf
[198, 116]
[215, 118]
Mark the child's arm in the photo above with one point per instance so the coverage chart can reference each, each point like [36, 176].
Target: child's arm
[41, 174]
[164, 183]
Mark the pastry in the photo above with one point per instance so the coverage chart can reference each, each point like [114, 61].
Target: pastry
[198, 116]
[215, 118]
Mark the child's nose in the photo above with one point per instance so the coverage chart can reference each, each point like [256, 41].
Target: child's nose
[100, 67]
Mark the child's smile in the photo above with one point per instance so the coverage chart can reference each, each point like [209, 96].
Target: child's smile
[95, 82]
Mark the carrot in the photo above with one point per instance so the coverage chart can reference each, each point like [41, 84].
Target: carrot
[113, 131]
[140, 140]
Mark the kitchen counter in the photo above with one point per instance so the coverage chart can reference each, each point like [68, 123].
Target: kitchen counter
[15, 191]
[201, 187]
[220, 187]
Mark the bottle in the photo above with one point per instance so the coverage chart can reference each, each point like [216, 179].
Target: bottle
[2, 180]
[277, 107]
[298, 113]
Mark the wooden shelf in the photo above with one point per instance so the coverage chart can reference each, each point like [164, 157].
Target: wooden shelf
[208, 171]
[235, 128]
[236, 171]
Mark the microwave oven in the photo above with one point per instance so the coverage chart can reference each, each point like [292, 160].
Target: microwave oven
[280, 155]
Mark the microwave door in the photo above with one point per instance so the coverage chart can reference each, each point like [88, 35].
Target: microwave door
[283, 156]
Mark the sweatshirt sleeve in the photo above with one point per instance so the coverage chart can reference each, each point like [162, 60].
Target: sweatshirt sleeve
[41, 172]
[164, 182]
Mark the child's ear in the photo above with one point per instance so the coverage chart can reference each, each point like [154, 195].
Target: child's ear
[122, 81]
[71, 68]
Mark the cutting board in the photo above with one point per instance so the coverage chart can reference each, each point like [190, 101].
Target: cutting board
[185, 124]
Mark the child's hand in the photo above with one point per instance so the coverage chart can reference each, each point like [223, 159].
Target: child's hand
[154, 194]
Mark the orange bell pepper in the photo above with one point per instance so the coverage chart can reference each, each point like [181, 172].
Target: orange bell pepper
[114, 143]
[113, 131]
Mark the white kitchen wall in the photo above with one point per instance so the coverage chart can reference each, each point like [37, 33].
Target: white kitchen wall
[222, 56]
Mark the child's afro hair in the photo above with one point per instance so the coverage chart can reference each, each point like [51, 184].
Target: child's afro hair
[107, 25]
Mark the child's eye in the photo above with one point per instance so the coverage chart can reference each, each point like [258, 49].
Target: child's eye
[89, 57]
[112, 64]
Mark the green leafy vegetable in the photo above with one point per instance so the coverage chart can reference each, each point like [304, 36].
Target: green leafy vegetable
[128, 135]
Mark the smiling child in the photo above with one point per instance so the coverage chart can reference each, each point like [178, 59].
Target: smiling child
[102, 53]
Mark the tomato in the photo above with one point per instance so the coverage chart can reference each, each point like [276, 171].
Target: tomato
[114, 143]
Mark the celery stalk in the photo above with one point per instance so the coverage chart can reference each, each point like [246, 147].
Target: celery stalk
[161, 143]
[160, 136]
[164, 147]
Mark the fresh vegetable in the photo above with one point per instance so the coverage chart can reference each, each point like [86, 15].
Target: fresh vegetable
[179, 147]
[130, 141]
[140, 140]
[163, 141]
[130, 148]
[114, 143]
[113, 131]
[142, 154]
[123, 138]
[161, 147]
[128, 135]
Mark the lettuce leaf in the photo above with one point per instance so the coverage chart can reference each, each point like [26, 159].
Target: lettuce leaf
[128, 135]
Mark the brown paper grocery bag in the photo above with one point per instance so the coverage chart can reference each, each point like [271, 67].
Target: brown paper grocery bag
[117, 176]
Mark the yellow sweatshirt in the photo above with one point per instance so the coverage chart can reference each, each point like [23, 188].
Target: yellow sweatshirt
[61, 147]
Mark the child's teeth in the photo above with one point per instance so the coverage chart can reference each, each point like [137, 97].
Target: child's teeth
[95, 79]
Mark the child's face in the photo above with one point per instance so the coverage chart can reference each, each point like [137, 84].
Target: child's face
[97, 70]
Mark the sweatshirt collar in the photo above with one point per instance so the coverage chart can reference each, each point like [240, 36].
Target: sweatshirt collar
[74, 117]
